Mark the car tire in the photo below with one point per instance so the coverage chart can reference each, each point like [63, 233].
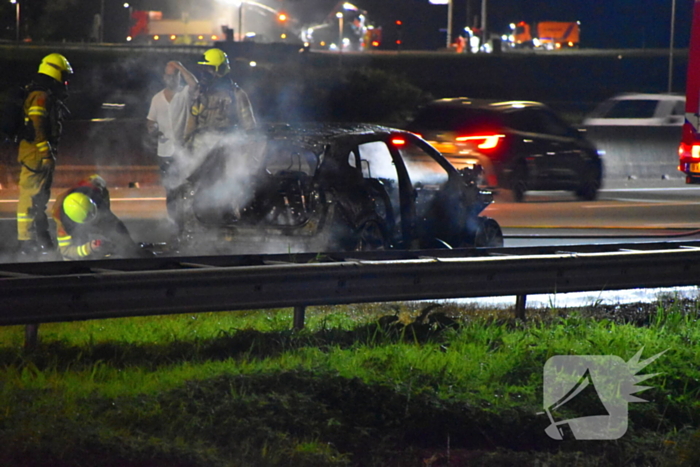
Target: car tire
[370, 235]
[519, 189]
[588, 191]
[518, 182]
[488, 233]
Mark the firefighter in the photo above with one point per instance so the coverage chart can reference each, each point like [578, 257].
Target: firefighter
[220, 105]
[44, 111]
[86, 228]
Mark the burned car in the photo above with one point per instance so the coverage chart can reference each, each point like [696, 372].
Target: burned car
[321, 187]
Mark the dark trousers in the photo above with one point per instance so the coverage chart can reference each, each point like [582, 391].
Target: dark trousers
[168, 177]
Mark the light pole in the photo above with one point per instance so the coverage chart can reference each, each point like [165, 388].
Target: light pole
[240, 22]
[340, 15]
[449, 17]
[449, 23]
[16, 4]
[670, 49]
[484, 35]
[102, 21]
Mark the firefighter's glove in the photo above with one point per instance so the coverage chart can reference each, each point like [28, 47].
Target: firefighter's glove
[101, 247]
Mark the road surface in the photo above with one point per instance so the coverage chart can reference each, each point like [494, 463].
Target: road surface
[625, 211]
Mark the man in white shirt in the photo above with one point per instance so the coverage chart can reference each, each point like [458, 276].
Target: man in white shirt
[167, 118]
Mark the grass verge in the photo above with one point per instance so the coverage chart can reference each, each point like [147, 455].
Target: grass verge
[392, 384]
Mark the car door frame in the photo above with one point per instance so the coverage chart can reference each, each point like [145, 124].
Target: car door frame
[455, 182]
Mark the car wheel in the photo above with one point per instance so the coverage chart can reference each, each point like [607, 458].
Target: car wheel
[370, 236]
[488, 233]
[518, 183]
[588, 191]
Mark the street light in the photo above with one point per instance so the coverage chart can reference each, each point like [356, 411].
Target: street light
[484, 35]
[102, 21]
[670, 48]
[240, 22]
[16, 4]
[340, 15]
[449, 17]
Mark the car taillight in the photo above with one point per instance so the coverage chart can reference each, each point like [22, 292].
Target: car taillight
[483, 142]
[689, 149]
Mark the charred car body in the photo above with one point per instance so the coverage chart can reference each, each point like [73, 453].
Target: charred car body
[331, 188]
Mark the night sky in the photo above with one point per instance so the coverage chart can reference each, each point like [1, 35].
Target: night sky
[604, 23]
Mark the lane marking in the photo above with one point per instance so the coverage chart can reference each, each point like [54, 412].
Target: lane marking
[637, 204]
[609, 190]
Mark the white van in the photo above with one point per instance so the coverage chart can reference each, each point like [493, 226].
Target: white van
[639, 109]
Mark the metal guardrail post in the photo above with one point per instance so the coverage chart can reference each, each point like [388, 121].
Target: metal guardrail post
[520, 307]
[31, 336]
[299, 315]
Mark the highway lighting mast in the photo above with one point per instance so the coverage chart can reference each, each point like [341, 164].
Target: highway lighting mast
[340, 16]
[484, 34]
[449, 18]
[16, 4]
[670, 48]
[102, 21]
[449, 22]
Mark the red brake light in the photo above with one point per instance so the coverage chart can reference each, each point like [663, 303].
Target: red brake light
[484, 142]
[689, 149]
[398, 141]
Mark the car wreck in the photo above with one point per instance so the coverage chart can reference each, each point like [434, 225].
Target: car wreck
[323, 188]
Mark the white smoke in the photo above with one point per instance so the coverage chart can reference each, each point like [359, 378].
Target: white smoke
[242, 153]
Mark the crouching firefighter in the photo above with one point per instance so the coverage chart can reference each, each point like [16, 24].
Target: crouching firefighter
[44, 112]
[87, 228]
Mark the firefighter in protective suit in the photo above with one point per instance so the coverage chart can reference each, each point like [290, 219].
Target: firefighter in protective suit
[44, 111]
[219, 106]
[87, 228]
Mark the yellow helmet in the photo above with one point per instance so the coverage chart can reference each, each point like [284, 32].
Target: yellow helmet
[79, 207]
[218, 59]
[55, 66]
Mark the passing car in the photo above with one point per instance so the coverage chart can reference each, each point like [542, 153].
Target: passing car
[321, 188]
[521, 145]
[639, 110]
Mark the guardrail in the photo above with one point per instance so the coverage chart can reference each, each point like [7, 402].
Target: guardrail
[642, 152]
[32, 293]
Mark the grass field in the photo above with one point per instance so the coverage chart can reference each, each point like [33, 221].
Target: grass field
[389, 384]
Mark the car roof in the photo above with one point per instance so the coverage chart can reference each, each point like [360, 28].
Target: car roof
[489, 104]
[327, 132]
[649, 96]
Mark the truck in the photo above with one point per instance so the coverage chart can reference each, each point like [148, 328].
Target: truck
[346, 27]
[149, 27]
[689, 148]
[548, 35]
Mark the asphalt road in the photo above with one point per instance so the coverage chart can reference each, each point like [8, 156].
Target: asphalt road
[626, 211]
[629, 210]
